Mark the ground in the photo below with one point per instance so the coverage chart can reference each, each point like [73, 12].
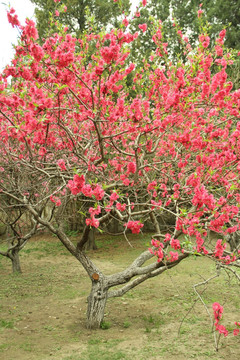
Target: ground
[42, 310]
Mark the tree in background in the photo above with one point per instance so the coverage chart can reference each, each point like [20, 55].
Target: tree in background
[72, 130]
[79, 15]
[19, 229]
[186, 15]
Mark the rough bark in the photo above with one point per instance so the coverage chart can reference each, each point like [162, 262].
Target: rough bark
[96, 303]
[234, 241]
[90, 244]
[16, 267]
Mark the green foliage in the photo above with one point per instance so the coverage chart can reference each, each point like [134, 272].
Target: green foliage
[217, 14]
[105, 325]
[80, 14]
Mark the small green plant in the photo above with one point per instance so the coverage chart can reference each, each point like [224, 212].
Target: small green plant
[26, 346]
[49, 328]
[105, 325]
[6, 324]
[94, 341]
[126, 324]
[149, 319]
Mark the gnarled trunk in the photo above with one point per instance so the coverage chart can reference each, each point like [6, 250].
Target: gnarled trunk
[16, 267]
[96, 303]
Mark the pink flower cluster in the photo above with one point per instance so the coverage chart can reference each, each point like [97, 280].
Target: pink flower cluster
[237, 330]
[219, 249]
[175, 244]
[131, 168]
[78, 185]
[120, 207]
[110, 53]
[142, 27]
[134, 226]
[55, 200]
[61, 164]
[205, 40]
[93, 221]
[159, 252]
[12, 18]
[218, 311]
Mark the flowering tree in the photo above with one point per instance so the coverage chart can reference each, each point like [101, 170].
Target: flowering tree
[169, 145]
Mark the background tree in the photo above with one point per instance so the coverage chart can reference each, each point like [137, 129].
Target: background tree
[185, 14]
[80, 14]
[73, 131]
[19, 229]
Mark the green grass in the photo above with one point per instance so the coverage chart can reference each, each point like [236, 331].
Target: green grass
[105, 325]
[126, 324]
[44, 308]
[7, 324]
[26, 346]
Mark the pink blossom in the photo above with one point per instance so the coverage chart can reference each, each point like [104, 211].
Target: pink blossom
[92, 222]
[42, 151]
[205, 40]
[175, 244]
[174, 256]
[131, 167]
[114, 196]
[94, 211]
[219, 249]
[236, 332]
[218, 310]
[55, 200]
[98, 192]
[134, 226]
[37, 52]
[142, 27]
[110, 53]
[120, 207]
[221, 329]
[87, 190]
[222, 33]
[99, 70]
[61, 164]
[167, 237]
[152, 185]
[77, 184]
[125, 22]
[13, 19]
[58, 202]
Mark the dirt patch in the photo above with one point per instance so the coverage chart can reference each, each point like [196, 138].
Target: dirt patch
[43, 310]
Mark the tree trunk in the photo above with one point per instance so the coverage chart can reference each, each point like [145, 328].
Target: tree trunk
[16, 267]
[96, 304]
[234, 241]
[90, 244]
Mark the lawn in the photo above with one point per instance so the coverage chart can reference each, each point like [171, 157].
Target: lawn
[42, 311]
